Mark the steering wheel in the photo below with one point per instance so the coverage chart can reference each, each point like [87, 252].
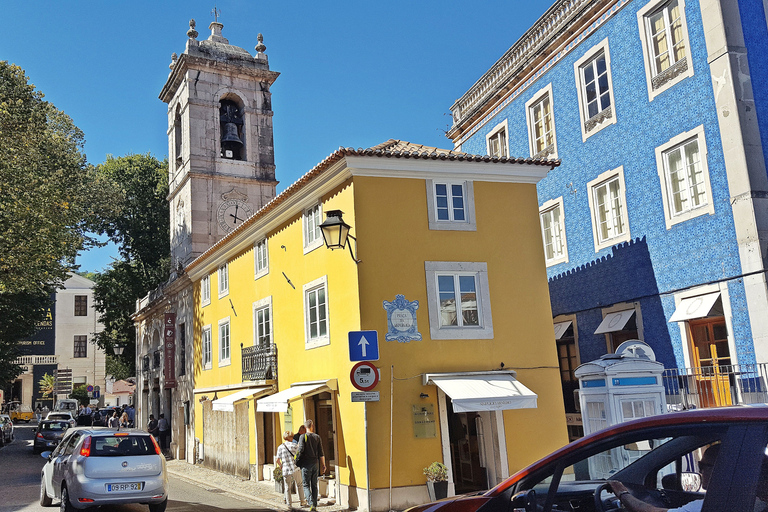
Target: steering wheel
[600, 505]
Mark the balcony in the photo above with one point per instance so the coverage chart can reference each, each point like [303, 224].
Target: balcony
[259, 362]
[715, 386]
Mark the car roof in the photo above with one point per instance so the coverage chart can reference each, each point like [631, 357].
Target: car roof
[106, 431]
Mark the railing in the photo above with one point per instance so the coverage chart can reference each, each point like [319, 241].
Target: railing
[715, 386]
[26, 360]
[157, 357]
[259, 362]
[145, 363]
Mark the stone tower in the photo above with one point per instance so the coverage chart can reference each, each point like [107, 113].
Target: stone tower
[220, 142]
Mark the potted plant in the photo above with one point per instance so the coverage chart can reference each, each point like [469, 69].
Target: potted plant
[437, 480]
[277, 476]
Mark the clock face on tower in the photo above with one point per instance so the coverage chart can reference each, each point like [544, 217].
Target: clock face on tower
[232, 213]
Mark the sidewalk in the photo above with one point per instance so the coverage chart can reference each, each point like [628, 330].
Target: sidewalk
[262, 492]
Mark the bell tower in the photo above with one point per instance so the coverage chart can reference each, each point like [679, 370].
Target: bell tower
[220, 142]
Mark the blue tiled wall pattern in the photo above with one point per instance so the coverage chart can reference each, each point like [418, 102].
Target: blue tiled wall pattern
[756, 40]
[658, 260]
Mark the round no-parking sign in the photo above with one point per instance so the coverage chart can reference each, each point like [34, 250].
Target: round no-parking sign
[364, 376]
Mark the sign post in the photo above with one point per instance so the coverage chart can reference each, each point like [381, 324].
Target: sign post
[364, 376]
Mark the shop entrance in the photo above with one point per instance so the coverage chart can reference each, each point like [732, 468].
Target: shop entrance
[323, 418]
[712, 359]
[469, 455]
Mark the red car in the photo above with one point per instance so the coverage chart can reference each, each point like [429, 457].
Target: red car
[658, 459]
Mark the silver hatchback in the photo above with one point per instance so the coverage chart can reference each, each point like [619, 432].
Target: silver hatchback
[94, 466]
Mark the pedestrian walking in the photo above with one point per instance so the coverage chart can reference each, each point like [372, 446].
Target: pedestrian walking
[124, 421]
[114, 421]
[310, 458]
[285, 459]
[131, 410]
[152, 426]
[163, 430]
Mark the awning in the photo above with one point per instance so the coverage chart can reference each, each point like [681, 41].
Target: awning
[228, 402]
[486, 391]
[614, 321]
[694, 307]
[560, 329]
[279, 401]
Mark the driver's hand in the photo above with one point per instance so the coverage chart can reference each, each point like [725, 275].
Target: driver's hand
[617, 487]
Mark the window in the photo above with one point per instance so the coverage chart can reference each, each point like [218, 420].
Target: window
[316, 313]
[682, 167]
[607, 200]
[262, 322]
[451, 205]
[205, 290]
[177, 135]
[232, 129]
[459, 300]
[621, 322]
[81, 305]
[665, 44]
[81, 346]
[223, 280]
[497, 142]
[182, 349]
[224, 342]
[594, 85]
[553, 231]
[261, 260]
[313, 238]
[541, 124]
[206, 343]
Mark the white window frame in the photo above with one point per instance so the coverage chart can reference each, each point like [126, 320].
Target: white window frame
[205, 290]
[605, 177]
[260, 258]
[645, 39]
[590, 56]
[320, 340]
[617, 308]
[537, 97]
[545, 209]
[504, 143]
[670, 218]
[225, 359]
[308, 219]
[483, 331]
[259, 305]
[468, 224]
[223, 280]
[206, 347]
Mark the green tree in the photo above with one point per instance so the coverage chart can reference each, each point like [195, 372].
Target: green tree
[80, 393]
[139, 226]
[118, 368]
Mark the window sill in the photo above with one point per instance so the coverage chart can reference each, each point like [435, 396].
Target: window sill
[462, 333]
[224, 363]
[317, 342]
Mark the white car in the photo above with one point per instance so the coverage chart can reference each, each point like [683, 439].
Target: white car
[62, 416]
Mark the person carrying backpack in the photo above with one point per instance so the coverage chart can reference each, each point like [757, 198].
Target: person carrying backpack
[310, 458]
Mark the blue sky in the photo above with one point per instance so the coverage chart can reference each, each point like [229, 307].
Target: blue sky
[353, 73]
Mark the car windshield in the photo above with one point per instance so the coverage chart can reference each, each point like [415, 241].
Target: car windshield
[120, 446]
[59, 416]
[57, 426]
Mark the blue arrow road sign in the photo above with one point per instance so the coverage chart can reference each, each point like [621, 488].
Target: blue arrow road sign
[363, 346]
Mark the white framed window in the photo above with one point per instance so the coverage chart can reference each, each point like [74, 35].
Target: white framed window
[540, 117]
[223, 274]
[595, 89]
[205, 290]
[553, 231]
[260, 259]
[665, 43]
[497, 141]
[451, 205]
[459, 300]
[684, 175]
[311, 220]
[206, 347]
[608, 204]
[224, 342]
[262, 322]
[316, 331]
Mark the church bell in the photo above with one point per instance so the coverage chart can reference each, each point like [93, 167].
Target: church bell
[229, 138]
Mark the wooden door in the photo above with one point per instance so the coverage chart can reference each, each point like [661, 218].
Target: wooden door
[225, 439]
[712, 359]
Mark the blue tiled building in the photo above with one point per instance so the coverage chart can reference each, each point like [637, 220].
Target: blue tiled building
[655, 225]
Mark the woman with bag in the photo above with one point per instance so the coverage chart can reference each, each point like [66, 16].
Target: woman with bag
[285, 454]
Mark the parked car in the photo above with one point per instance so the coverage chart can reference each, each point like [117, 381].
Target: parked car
[6, 429]
[20, 412]
[656, 459]
[100, 417]
[48, 434]
[62, 416]
[96, 466]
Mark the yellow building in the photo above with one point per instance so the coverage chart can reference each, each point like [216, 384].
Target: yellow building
[450, 275]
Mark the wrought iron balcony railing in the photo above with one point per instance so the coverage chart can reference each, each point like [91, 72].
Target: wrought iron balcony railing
[259, 362]
[715, 386]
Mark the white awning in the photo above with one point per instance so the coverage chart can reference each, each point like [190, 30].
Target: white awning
[694, 307]
[227, 403]
[279, 401]
[614, 321]
[484, 391]
[560, 328]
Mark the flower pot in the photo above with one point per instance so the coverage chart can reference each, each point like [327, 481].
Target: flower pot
[437, 490]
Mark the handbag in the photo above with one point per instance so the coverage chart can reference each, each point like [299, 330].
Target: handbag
[299, 458]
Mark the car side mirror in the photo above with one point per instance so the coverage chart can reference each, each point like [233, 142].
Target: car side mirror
[46, 455]
[690, 482]
[524, 501]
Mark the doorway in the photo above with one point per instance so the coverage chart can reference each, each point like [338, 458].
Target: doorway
[712, 360]
[323, 418]
[469, 457]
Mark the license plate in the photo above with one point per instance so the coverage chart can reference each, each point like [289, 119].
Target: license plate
[133, 486]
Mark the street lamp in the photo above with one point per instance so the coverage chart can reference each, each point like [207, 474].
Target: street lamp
[118, 348]
[336, 231]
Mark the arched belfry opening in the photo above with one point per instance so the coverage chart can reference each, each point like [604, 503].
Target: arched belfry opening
[231, 122]
[177, 136]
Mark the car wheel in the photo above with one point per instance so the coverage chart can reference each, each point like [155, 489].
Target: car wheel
[158, 507]
[66, 505]
[45, 500]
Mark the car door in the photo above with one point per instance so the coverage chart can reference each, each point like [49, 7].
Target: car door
[61, 461]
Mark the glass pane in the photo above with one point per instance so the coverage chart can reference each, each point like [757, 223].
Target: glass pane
[603, 81]
[446, 291]
[600, 62]
[589, 73]
[468, 300]
[591, 92]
